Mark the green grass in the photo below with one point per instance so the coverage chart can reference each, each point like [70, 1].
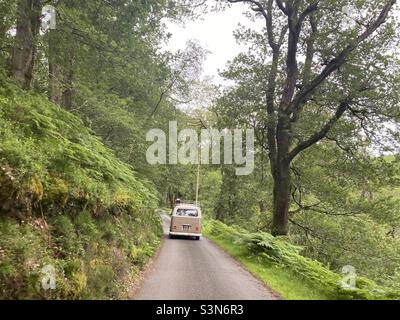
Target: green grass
[280, 265]
[281, 280]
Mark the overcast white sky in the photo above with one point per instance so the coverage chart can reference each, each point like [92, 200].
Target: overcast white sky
[215, 33]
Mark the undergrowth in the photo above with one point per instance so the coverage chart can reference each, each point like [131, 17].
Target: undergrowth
[67, 202]
[261, 251]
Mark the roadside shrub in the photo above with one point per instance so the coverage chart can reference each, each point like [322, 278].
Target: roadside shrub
[279, 251]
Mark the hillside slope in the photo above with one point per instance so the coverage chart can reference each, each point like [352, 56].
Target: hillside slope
[66, 202]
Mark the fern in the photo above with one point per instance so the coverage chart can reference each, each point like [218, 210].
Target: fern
[279, 251]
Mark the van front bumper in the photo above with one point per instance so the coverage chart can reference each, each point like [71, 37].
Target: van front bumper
[186, 234]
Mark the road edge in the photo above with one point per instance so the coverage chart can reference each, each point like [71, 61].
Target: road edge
[138, 284]
[239, 263]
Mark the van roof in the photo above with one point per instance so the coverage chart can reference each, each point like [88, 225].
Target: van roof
[189, 206]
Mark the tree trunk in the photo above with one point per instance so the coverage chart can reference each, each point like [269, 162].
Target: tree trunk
[282, 187]
[24, 51]
[281, 177]
[55, 85]
[68, 93]
[55, 74]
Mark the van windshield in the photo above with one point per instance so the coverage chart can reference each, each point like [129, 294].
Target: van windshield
[187, 212]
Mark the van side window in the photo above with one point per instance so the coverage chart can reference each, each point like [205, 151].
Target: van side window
[187, 213]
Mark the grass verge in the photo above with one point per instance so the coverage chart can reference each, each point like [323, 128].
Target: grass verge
[281, 267]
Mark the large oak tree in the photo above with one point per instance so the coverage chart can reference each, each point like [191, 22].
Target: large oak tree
[314, 59]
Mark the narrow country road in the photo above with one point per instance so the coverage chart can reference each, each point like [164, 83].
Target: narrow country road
[198, 270]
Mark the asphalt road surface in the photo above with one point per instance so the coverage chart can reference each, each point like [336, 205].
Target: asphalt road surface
[198, 270]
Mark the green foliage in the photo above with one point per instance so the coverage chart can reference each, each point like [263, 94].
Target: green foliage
[344, 210]
[265, 248]
[95, 222]
[209, 192]
[347, 217]
[61, 159]
[90, 264]
[67, 201]
[344, 204]
[242, 200]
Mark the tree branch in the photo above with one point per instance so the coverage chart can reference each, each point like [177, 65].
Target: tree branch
[266, 13]
[271, 89]
[291, 61]
[275, 46]
[338, 61]
[282, 7]
[348, 150]
[303, 208]
[310, 52]
[310, 9]
[320, 134]
[163, 93]
[259, 6]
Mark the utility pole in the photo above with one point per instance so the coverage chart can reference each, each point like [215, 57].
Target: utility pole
[198, 175]
[199, 163]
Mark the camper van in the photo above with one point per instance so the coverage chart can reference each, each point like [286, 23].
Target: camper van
[185, 221]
